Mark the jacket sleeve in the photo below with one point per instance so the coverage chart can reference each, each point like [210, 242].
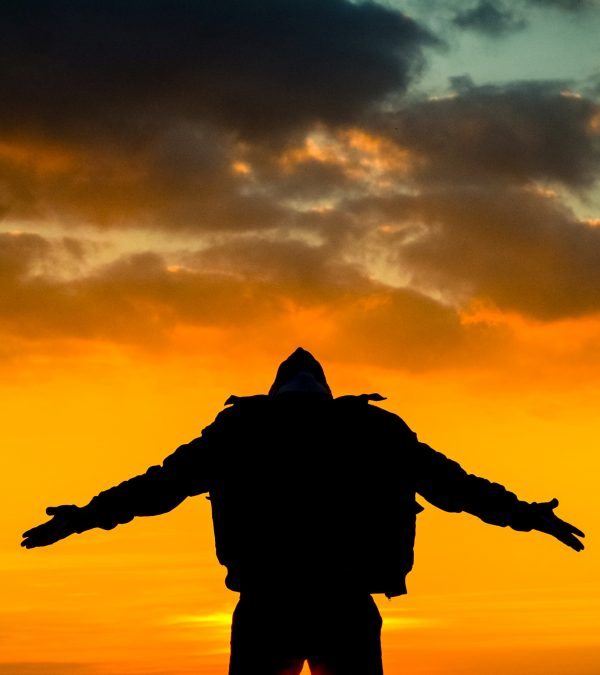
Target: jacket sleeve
[445, 484]
[184, 473]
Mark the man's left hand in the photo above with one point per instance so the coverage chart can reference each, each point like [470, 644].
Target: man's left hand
[545, 520]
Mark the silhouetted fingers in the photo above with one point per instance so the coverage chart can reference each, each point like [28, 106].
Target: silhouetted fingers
[576, 531]
[47, 533]
[36, 537]
[571, 541]
[568, 528]
[565, 533]
[35, 543]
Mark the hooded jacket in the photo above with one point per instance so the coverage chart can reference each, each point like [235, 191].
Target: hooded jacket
[310, 492]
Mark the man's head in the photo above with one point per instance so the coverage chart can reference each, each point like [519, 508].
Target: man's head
[300, 372]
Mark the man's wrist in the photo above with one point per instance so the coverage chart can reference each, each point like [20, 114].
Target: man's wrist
[524, 517]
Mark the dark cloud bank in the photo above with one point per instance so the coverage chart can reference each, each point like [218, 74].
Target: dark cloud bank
[122, 67]
[149, 100]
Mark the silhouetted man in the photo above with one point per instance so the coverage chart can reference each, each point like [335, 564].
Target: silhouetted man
[313, 505]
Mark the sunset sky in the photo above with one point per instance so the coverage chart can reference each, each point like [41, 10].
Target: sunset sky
[189, 190]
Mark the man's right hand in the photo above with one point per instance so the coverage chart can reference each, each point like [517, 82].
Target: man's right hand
[66, 520]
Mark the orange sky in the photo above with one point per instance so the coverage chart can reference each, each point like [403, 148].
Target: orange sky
[188, 195]
[149, 596]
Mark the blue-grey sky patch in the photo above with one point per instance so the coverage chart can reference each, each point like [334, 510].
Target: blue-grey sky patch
[559, 41]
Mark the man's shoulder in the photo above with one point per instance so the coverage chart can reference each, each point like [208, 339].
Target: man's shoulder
[237, 407]
[358, 399]
[386, 421]
[234, 401]
[364, 402]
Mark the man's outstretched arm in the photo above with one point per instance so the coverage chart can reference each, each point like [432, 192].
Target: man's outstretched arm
[445, 484]
[183, 474]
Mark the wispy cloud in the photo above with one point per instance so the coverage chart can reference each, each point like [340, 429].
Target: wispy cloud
[490, 18]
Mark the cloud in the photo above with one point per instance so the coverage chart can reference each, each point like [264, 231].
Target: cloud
[303, 270]
[367, 320]
[490, 18]
[514, 133]
[141, 298]
[390, 222]
[138, 300]
[184, 178]
[455, 199]
[484, 213]
[517, 249]
[399, 328]
[18, 253]
[80, 69]
[137, 112]
[567, 5]
[252, 289]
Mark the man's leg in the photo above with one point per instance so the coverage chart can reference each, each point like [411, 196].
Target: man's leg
[265, 638]
[346, 638]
